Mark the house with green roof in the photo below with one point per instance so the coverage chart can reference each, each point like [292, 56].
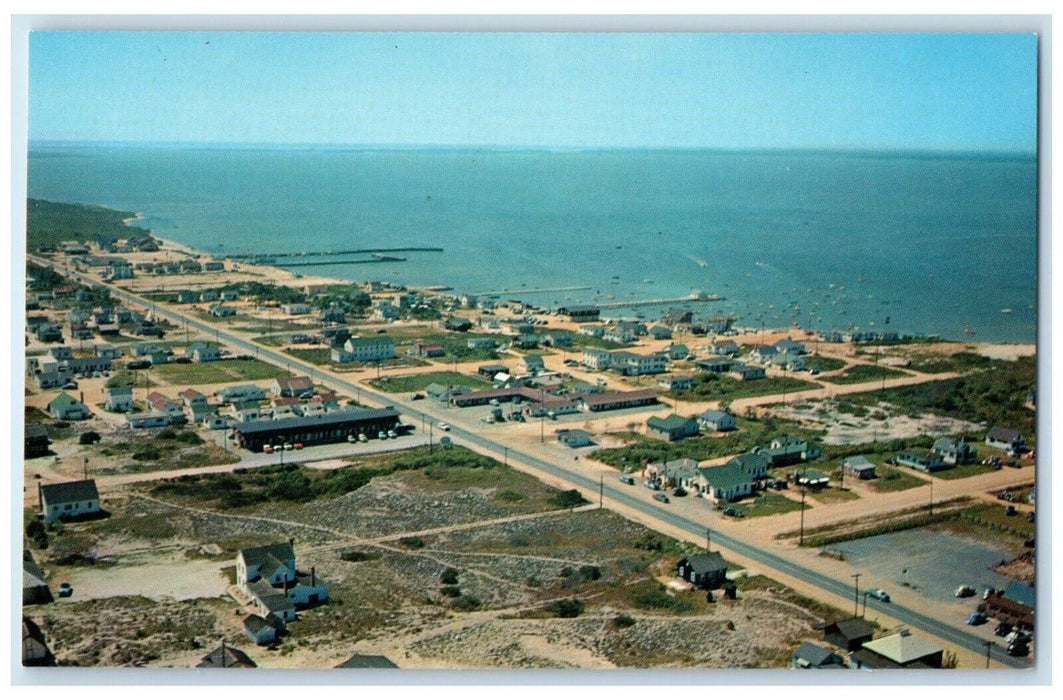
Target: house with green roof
[728, 482]
[923, 460]
[66, 407]
[673, 428]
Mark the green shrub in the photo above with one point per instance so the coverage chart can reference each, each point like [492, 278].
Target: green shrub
[450, 591]
[449, 576]
[623, 620]
[570, 607]
[147, 453]
[568, 499]
[412, 542]
[89, 438]
[466, 603]
[356, 556]
[590, 573]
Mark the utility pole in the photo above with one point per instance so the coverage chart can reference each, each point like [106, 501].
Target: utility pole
[601, 490]
[864, 612]
[931, 496]
[505, 457]
[801, 538]
[542, 416]
[708, 540]
[856, 594]
[988, 645]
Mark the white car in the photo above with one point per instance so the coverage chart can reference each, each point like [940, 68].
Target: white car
[444, 426]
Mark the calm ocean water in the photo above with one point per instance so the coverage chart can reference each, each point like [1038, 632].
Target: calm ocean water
[938, 244]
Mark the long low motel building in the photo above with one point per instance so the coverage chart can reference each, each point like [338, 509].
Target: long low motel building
[331, 427]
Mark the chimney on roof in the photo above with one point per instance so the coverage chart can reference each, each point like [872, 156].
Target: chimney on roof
[284, 579]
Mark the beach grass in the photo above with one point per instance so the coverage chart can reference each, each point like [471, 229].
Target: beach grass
[865, 373]
[768, 503]
[962, 471]
[823, 364]
[711, 387]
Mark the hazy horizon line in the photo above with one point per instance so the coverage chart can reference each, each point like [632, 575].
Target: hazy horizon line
[311, 145]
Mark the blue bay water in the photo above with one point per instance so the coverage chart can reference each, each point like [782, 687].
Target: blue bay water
[937, 243]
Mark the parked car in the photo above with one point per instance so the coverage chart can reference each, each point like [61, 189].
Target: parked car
[1018, 635]
[629, 480]
[1003, 629]
[288, 447]
[362, 437]
[392, 434]
[660, 497]
[1010, 510]
[679, 492]
[977, 618]
[989, 593]
[268, 449]
[298, 445]
[1018, 649]
[416, 397]
[444, 426]
[381, 435]
[878, 594]
[733, 512]
[352, 438]
[65, 590]
[964, 592]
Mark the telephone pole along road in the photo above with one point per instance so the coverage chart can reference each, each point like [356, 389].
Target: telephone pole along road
[763, 557]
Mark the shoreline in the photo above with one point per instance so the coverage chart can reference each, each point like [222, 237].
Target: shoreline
[1008, 350]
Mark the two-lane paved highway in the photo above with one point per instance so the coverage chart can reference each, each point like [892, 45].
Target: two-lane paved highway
[662, 514]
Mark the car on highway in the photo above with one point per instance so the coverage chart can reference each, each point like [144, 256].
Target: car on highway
[444, 426]
[878, 594]
[1017, 636]
[298, 445]
[287, 446]
[660, 497]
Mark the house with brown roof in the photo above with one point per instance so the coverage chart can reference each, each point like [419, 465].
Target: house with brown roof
[291, 386]
[226, 657]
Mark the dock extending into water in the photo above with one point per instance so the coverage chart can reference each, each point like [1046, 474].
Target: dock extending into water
[251, 257]
[656, 302]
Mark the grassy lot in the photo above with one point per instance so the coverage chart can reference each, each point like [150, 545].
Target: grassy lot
[712, 386]
[417, 382]
[317, 356]
[893, 479]
[864, 373]
[451, 469]
[217, 372]
[749, 434]
[769, 503]
[963, 471]
[832, 494]
[823, 364]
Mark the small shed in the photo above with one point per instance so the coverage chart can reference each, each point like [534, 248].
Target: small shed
[258, 630]
[809, 655]
[574, 438]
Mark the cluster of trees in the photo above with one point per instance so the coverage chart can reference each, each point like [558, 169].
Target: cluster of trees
[50, 223]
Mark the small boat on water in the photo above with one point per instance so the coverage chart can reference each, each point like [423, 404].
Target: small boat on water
[1005, 311]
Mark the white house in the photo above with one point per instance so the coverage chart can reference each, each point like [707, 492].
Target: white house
[531, 364]
[717, 421]
[630, 364]
[369, 348]
[728, 482]
[597, 359]
[296, 309]
[269, 576]
[65, 407]
[68, 500]
[119, 399]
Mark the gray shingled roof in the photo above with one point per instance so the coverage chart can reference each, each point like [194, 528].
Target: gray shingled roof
[70, 492]
[256, 556]
[705, 563]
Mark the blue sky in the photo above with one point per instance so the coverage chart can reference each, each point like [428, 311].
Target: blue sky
[920, 91]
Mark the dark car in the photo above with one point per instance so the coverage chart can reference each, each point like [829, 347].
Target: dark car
[65, 590]
[1018, 649]
[660, 497]
[629, 480]
[977, 618]
[1010, 510]
[1003, 629]
[679, 492]
[417, 397]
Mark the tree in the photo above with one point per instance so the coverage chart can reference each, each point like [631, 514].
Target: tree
[89, 438]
